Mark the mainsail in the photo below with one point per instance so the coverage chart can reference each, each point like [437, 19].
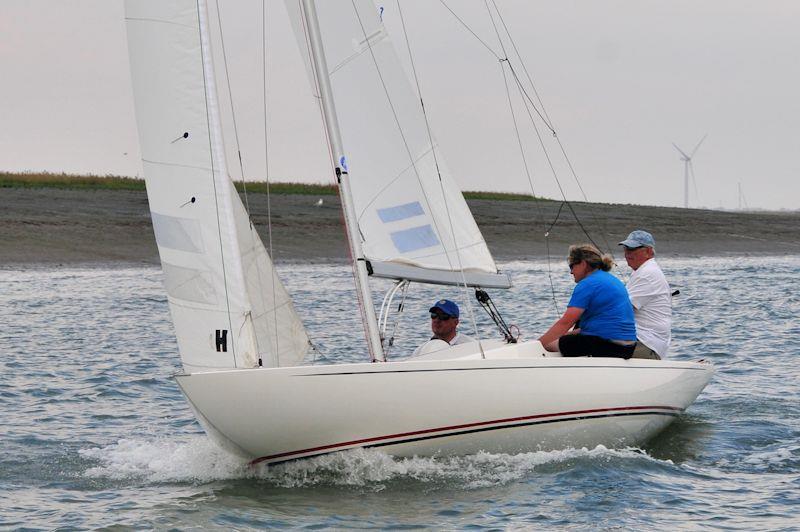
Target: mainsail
[412, 217]
[228, 306]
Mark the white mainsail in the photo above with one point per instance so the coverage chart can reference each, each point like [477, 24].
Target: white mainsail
[493, 397]
[227, 304]
[413, 219]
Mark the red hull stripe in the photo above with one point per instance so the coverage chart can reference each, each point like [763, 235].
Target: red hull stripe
[382, 440]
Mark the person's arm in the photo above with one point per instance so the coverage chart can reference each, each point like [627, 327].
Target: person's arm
[560, 328]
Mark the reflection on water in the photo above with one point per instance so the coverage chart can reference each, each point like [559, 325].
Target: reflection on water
[96, 433]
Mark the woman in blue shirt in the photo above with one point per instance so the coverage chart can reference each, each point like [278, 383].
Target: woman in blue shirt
[601, 307]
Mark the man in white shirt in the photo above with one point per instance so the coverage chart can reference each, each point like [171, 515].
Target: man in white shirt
[444, 326]
[650, 296]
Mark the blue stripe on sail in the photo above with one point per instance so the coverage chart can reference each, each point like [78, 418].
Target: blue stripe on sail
[400, 212]
[414, 238]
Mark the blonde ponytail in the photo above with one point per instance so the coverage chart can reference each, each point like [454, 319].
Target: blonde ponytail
[592, 256]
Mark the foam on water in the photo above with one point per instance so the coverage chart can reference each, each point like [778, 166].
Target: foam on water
[96, 432]
[780, 456]
[362, 467]
[198, 459]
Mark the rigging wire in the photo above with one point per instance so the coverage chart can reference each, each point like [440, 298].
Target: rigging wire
[544, 110]
[230, 101]
[529, 104]
[547, 245]
[538, 97]
[503, 57]
[491, 50]
[253, 234]
[441, 183]
[264, 82]
[522, 152]
[202, 14]
[550, 163]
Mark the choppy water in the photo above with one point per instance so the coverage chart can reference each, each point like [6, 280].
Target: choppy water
[95, 433]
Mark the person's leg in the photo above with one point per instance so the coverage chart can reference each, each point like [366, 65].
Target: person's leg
[642, 351]
[576, 345]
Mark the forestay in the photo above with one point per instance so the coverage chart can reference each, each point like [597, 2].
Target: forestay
[228, 306]
[409, 213]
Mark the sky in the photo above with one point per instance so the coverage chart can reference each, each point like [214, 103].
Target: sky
[621, 80]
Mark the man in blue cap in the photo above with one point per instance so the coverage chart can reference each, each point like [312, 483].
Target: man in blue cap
[649, 293]
[444, 325]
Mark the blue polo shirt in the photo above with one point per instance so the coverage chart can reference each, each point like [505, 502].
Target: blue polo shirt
[607, 309]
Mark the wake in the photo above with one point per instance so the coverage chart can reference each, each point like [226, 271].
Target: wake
[198, 460]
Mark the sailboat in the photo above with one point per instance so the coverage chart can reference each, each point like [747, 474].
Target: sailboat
[241, 342]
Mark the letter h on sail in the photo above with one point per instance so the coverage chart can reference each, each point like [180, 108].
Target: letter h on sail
[222, 340]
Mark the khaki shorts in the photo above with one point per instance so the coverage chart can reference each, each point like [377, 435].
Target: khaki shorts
[642, 351]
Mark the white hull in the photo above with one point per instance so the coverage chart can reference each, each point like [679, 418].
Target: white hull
[514, 400]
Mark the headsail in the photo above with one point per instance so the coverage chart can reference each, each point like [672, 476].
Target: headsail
[410, 211]
[227, 304]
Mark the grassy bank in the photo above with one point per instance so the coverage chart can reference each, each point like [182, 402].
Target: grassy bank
[115, 182]
[70, 181]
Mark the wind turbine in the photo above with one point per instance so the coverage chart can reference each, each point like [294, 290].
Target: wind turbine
[742, 198]
[687, 169]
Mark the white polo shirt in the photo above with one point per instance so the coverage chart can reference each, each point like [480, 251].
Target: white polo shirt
[652, 306]
[458, 339]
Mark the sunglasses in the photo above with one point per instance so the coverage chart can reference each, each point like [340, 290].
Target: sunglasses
[573, 264]
[440, 317]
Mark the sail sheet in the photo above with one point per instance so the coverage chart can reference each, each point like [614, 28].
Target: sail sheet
[410, 210]
[227, 304]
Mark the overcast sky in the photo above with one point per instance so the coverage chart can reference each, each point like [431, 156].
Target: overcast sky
[621, 80]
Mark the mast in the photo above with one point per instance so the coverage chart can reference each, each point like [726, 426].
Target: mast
[320, 66]
[686, 184]
[740, 196]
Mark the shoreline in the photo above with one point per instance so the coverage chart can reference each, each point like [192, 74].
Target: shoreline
[86, 227]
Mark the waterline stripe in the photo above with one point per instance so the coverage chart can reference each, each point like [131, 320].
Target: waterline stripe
[480, 426]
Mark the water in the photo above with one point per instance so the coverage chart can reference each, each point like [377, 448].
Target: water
[95, 433]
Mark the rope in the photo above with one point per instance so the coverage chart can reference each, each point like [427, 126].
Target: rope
[267, 174]
[491, 309]
[545, 119]
[213, 174]
[544, 110]
[253, 234]
[230, 101]
[522, 153]
[491, 51]
[441, 187]
[552, 286]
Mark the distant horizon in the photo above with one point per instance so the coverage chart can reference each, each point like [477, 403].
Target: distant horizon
[621, 81]
[46, 179]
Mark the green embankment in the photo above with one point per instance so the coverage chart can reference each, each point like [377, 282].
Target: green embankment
[114, 182]
[48, 180]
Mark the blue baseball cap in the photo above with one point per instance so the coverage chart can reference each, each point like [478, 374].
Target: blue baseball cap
[446, 306]
[639, 239]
